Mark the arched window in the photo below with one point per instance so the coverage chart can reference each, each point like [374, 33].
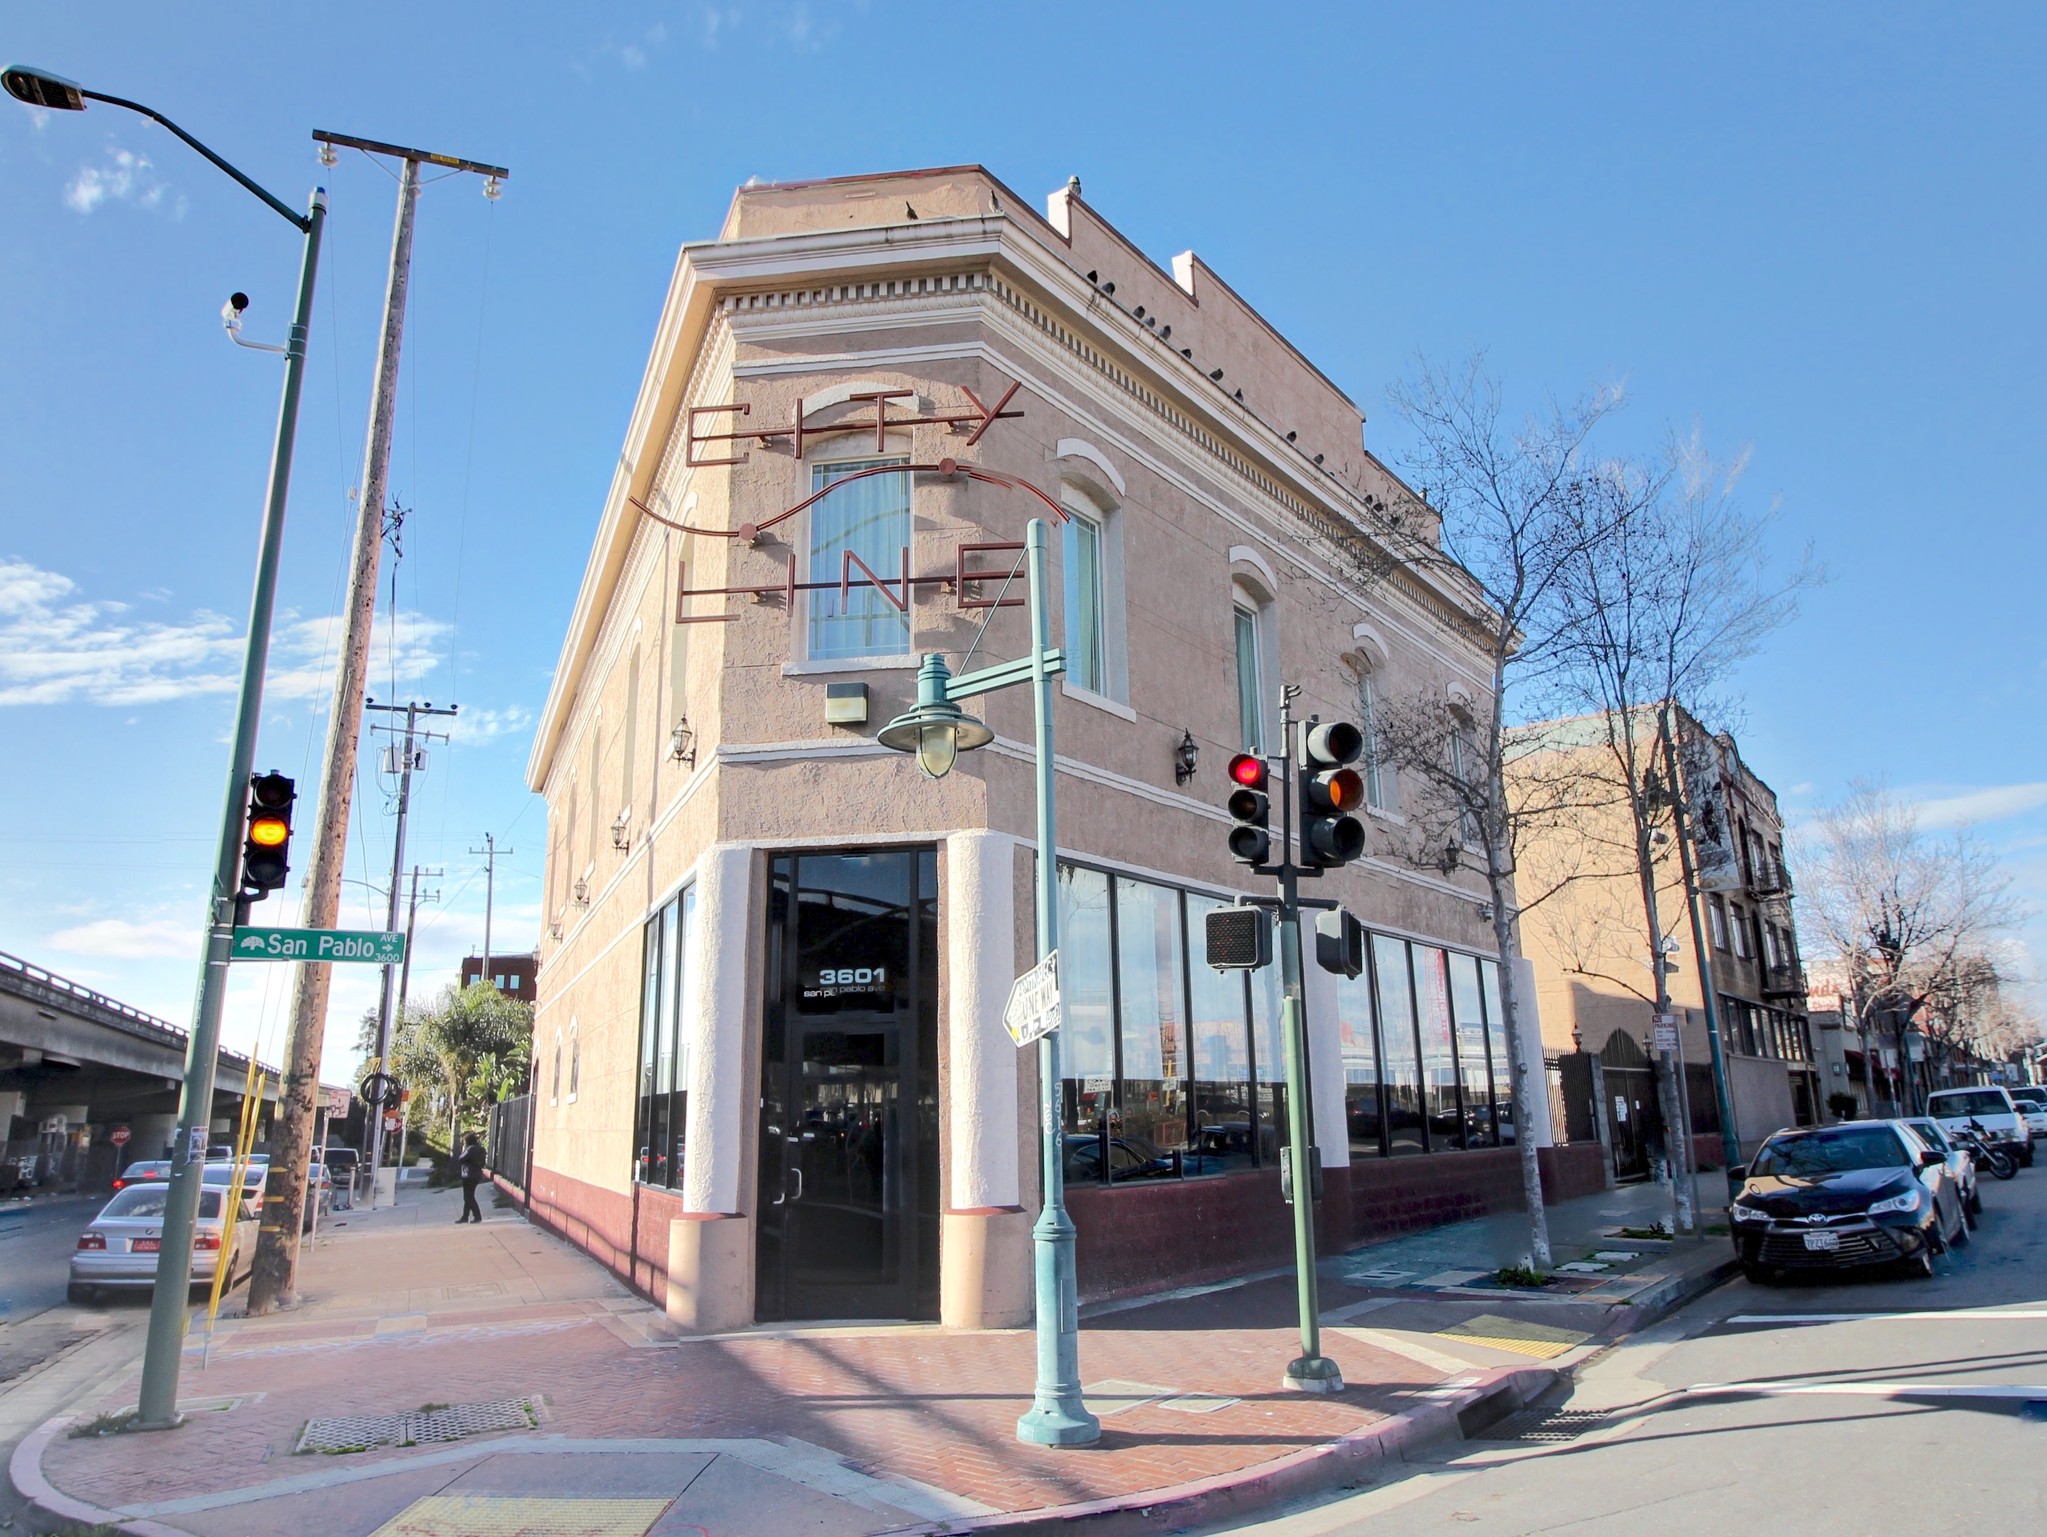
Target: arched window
[554, 1085]
[575, 1060]
[1257, 663]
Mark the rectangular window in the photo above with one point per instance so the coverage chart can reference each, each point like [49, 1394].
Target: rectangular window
[1399, 1062]
[1358, 1048]
[1087, 985]
[1468, 1012]
[1268, 1061]
[1086, 665]
[868, 519]
[1221, 1138]
[662, 1114]
[629, 748]
[1153, 1031]
[1741, 934]
[1500, 1042]
[1368, 728]
[1464, 767]
[1716, 919]
[1250, 691]
[1439, 1061]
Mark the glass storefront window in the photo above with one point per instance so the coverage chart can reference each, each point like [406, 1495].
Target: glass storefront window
[1400, 1064]
[1439, 1061]
[1220, 1138]
[1500, 1052]
[1087, 982]
[1358, 1048]
[661, 1115]
[1154, 1026]
[1468, 1013]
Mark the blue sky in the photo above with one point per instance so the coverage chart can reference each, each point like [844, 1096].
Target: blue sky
[1812, 232]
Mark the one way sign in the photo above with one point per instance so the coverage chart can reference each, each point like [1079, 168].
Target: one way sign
[1034, 1008]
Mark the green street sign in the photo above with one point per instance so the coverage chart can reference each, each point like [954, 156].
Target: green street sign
[367, 945]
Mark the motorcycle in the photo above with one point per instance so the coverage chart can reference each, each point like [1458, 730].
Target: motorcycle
[1988, 1155]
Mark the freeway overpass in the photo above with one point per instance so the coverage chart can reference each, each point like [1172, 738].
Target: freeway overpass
[76, 1065]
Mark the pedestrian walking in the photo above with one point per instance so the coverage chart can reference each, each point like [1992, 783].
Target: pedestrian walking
[472, 1176]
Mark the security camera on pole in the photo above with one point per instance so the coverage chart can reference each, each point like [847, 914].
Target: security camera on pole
[1312, 765]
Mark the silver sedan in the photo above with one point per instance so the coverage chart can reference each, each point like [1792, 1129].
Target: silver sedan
[120, 1247]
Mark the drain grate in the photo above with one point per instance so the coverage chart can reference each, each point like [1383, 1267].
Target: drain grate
[1543, 1425]
[450, 1422]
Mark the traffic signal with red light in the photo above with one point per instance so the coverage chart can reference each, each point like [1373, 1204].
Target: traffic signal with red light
[1330, 793]
[1251, 807]
[266, 849]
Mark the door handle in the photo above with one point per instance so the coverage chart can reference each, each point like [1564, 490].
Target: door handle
[798, 1172]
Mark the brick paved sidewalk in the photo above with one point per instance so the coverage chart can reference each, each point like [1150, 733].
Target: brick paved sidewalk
[840, 1429]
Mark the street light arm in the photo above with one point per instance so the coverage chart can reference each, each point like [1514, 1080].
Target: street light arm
[298, 221]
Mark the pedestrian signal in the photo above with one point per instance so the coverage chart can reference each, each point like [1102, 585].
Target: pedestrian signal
[1239, 939]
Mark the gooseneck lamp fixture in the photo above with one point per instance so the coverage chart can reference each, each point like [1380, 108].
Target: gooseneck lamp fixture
[935, 729]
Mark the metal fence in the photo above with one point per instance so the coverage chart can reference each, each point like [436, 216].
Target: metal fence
[511, 1140]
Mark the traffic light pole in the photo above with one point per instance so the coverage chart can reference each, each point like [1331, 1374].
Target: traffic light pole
[168, 1307]
[1311, 1371]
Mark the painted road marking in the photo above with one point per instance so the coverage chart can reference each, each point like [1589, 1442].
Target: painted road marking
[1959, 1315]
[1869, 1389]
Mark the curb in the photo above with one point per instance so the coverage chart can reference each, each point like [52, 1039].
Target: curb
[1665, 1298]
[25, 1472]
[1255, 1490]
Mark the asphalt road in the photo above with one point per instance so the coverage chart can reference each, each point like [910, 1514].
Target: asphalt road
[1862, 1407]
[36, 1240]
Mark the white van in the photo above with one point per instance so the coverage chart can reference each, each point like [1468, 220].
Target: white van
[1989, 1107]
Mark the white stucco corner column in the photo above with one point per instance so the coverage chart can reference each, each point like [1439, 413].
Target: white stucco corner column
[1528, 1043]
[984, 1246]
[710, 1249]
[1325, 1055]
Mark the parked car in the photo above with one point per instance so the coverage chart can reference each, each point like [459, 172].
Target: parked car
[1959, 1159]
[1992, 1108]
[119, 1248]
[1836, 1197]
[142, 1169]
[2031, 1092]
[2035, 1116]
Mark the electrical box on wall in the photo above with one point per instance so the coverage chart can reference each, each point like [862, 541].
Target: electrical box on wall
[845, 704]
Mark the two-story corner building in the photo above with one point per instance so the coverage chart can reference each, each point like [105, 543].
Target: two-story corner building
[1591, 955]
[771, 1077]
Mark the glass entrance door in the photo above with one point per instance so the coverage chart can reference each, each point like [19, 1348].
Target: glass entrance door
[849, 1109]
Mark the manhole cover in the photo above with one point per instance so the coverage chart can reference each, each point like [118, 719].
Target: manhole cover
[445, 1422]
[1540, 1424]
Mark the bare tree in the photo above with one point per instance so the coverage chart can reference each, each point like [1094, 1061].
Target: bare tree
[1508, 512]
[1666, 595]
[1906, 914]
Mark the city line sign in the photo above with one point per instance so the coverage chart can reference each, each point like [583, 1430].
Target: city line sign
[370, 946]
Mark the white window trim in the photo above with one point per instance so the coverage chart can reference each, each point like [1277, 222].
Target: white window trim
[1088, 696]
[1107, 519]
[1249, 596]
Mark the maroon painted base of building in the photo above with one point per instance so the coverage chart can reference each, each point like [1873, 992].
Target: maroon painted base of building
[1134, 1239]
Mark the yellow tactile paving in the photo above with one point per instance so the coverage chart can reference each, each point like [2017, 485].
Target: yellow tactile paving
[1541, 1341]
[521, 1515]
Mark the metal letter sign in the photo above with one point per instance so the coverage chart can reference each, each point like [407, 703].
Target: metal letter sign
[370, 946]
[1034, 1008]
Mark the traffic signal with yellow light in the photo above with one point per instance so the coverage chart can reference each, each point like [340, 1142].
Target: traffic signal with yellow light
[1251, 807]
[266, 849]
[1330, 793]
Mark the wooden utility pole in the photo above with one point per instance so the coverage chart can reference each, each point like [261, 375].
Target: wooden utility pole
[274, 1273]
[490, 852]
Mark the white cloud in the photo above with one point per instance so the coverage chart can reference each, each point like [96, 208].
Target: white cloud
[473, 727]
[125, 177]
[57, 648]
[1971, 807]
[123, 939]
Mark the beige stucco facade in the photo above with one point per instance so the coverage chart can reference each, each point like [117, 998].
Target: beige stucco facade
[1208, 495]
[1587, 938]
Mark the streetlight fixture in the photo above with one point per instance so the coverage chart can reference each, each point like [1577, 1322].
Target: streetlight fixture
[158, 1404]
[937, 730]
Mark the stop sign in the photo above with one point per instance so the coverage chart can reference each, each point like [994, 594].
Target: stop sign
[119, 1136]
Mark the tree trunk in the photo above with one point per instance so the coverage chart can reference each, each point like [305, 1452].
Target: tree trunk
[1524, 1089]
[1676, 1135]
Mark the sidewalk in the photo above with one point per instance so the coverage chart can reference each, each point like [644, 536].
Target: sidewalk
[576, 1409]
